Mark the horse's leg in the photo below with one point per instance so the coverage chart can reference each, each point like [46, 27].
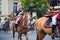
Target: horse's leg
[13, 34]
[26, 36]
[37, 37]
[13, 31]
[6, 30]
[40, 35]
[20, 36]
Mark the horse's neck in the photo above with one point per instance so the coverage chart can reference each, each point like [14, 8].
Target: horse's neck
[27, 22]
[24, 20]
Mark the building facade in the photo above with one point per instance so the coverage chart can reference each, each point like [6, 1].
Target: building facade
[8, 6]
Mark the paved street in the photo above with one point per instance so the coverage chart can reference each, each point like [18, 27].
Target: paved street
[8, 36]
[31, 36]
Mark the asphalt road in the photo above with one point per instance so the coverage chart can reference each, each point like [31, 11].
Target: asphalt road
[31, 36]
[8, 36]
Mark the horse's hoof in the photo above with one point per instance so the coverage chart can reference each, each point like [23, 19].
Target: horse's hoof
[52, 37]
[13, 36]
[18, 37]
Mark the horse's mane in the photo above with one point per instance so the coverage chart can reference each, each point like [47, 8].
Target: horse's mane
[25, 19]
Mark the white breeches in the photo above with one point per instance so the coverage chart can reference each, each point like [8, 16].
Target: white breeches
[54, 21]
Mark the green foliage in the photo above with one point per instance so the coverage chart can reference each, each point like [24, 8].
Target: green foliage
[40, 5]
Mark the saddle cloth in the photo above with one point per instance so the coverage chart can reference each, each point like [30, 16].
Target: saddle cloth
[48, 24]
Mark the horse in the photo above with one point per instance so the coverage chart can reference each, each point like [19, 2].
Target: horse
[22, 27]
[41, 30]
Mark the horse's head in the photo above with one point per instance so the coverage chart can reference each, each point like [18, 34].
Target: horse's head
[27, 15]
[13, 16]
[26, 18]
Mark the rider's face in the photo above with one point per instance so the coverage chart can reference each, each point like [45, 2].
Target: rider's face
[20, 9]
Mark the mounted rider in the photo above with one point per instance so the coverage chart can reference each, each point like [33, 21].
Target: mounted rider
[55, 17]
[19, 17]
[54, 22]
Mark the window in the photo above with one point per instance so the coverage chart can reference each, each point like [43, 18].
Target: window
[0, 3]
[15, 6]
[0, 12]
[15, 0]
[0, 7]
[15, 3]
[0, 0]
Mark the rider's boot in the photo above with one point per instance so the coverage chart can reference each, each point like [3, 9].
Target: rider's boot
[16, 26]
[53, 31]
[52, 35]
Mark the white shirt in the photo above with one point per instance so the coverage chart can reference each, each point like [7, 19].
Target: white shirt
[54, 21]
[18, 19]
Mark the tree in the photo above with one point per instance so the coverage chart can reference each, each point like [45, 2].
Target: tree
[37, 5]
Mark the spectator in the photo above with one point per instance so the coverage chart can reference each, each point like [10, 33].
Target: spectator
[0, 25]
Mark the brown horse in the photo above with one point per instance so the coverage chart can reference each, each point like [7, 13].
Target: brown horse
[41, 30]
[22, 27]
[13, 18]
